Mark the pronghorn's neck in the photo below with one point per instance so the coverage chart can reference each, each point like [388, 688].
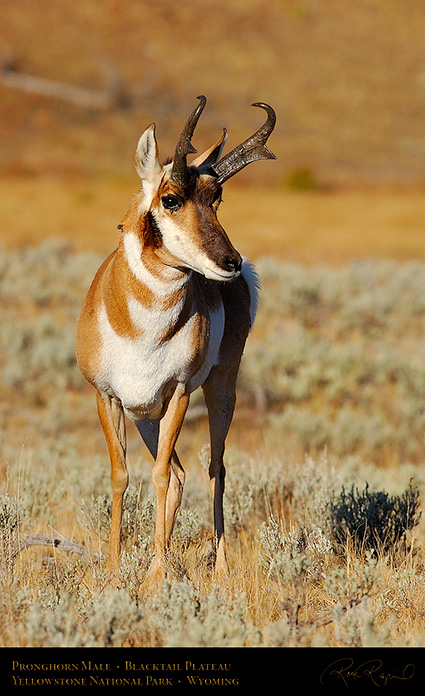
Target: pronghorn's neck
[158, 279]
[147, 259]
[141, 290]
[144, 297]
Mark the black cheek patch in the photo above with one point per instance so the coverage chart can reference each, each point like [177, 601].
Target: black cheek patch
[153, 234]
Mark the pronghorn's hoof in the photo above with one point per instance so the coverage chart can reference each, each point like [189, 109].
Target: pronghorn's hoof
[221, 572]
[154, 577]
[221, 568]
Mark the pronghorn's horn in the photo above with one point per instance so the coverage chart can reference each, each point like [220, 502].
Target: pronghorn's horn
[249, 151]
[184, 147]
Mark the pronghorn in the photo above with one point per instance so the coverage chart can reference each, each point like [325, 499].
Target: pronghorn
[169, 311]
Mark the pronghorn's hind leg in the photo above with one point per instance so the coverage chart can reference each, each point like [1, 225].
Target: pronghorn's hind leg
[174, 494]
[168, 479]
[111, 417]
[149, 430]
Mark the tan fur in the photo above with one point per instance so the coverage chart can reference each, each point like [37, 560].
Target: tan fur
[89, 338]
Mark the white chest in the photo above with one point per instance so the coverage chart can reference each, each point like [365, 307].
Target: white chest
[141, 371]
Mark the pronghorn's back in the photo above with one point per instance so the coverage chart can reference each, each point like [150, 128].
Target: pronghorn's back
[169, 311]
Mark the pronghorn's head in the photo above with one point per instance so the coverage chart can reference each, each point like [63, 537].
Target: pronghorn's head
[178, 206]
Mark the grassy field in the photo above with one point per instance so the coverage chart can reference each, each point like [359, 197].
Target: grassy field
[330, 419]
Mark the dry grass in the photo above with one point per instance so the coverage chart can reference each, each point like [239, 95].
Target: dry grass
[295, 594]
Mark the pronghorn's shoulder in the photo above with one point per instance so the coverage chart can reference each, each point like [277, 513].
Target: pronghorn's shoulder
[89, 339]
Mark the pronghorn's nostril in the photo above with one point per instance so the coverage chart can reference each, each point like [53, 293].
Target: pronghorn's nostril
[233, 264]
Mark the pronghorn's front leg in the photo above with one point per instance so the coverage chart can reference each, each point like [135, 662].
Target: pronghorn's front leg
[112, 420]
[168, 479]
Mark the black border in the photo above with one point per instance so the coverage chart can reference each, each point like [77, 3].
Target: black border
[186, 669]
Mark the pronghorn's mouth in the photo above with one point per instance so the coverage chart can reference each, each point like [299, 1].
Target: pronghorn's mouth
[213, 274]
[210, 272]
[213, 271]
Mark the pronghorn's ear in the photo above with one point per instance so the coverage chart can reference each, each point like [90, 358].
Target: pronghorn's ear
[210, 156]
[146, 160]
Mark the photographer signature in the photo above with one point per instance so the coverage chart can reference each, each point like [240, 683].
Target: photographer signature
[347, 671]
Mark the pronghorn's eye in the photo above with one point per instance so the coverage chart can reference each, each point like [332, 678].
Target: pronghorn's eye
[171, 203]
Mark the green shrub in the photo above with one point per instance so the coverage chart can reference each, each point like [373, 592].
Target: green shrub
[372, 521]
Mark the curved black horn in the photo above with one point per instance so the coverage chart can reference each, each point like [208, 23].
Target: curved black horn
[249, 151]
[184, 147]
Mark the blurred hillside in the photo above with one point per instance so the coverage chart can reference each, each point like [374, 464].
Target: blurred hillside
[347, 81]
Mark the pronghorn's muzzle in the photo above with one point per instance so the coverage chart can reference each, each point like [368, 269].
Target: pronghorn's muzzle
[233, 263]
[229, 265]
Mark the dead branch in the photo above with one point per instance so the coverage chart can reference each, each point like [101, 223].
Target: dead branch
[57, 541]
[80, 96]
